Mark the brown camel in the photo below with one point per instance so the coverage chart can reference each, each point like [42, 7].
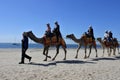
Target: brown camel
[109, 46]
[47, 42]
[85, 42]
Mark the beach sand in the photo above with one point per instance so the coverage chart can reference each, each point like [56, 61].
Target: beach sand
[101, 68]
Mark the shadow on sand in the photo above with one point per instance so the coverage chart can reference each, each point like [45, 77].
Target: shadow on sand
[97, 59]
[59, 62]
[107, 58]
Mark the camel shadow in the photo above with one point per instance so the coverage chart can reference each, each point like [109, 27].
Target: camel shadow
[59, 62]
[117, 57]
[98, 59]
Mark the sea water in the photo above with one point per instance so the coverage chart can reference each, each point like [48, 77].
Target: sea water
[34, 45]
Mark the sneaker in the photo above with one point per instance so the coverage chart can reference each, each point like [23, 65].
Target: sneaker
[21, 62]
[30, 59]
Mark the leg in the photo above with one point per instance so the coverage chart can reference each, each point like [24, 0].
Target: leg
[57, 52]
[47, 48]
[118, 49]
[85, 52]
[89, 51]
[110, 52]
[103, 52]
[44, 52]
[22, 57]
[65, 52]
[78, 51]
[26, 56]
[114, 50]
[96, 51]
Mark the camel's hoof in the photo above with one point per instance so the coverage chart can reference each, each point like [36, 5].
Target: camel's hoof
[64, 59]
[45, 60]
[53, 59]
[85, 57]
[76, 57]
[49, 57]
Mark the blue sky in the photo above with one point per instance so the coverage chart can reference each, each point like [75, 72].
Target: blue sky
[74, 16]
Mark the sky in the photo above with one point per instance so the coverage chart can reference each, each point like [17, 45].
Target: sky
[73, 16]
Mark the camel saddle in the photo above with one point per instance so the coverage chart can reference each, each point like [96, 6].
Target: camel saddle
[52, 40]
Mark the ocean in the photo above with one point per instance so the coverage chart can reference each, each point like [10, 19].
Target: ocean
[34, 45]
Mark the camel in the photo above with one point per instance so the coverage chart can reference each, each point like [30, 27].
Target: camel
[109, 46]
[83, 41]
[47, 43]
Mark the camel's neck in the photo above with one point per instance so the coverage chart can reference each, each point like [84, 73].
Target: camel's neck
[76, 40]
[34, 38]
[101, 42]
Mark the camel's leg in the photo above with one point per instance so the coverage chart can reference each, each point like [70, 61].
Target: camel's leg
[110, 52]
[114, 50]
[90, 50]
[85, 52]
[56, 52]
[47, 48]
[65, 52]
[96, 51]
[78, 51]
[44, 52]
[118, 50]
[103, 52]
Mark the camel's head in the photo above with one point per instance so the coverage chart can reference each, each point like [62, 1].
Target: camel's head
[70, 36]
[99, 39]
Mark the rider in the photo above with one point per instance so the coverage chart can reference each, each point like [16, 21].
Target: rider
[110, 36]
[91, 32]
[48, 31]
[106, 35]
[56, 31]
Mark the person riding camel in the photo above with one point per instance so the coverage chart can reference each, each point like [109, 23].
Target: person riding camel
[48, 32]
[110, 36]
[91, 33]
[56, 31]
[106, 35]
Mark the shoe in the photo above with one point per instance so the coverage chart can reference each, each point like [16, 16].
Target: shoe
[30, 59]
[21, 62]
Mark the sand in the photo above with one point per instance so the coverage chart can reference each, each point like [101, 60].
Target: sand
[101, 68]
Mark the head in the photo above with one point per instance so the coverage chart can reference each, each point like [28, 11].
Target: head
[106, 31]
[48, 24]
[90, 27]
[56, 23]
[70, 36]
[110, 31]
[24, 34]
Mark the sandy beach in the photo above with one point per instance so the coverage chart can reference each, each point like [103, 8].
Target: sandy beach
[101, 68]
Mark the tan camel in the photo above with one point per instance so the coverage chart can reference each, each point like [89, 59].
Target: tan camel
[47, 43]
[109, 46]
[85, 42]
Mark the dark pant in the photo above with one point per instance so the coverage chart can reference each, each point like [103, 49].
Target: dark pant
[24, 55]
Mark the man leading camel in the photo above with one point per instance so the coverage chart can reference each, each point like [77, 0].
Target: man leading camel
[24, 49]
